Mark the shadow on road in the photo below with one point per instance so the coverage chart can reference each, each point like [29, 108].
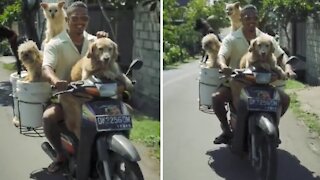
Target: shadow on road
[231, 167]
[5, 91]
[289, 167]
[42, 174]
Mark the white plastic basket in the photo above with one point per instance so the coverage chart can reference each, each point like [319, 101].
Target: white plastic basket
[14, 77]
[208, 83]
[32, 99]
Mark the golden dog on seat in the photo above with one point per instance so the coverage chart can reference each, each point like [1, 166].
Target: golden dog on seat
[31, 58]
[99, 61]
[259, 55]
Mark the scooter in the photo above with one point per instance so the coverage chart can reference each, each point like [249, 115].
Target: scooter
[104, 151]
[255, 123]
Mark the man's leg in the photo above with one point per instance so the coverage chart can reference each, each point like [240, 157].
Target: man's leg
[219, 98]
[285, 101]
[51, 118]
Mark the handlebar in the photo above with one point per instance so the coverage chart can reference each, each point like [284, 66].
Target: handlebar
[100, 89]
[252, 76]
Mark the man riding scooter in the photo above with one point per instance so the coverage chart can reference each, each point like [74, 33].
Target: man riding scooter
[233, 47]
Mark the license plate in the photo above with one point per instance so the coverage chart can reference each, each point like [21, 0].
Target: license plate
[113, 123]
[258, 104]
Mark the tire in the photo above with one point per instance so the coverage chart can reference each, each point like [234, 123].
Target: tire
[122, 169]
[267, 162]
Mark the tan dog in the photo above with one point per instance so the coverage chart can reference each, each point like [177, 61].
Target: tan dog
[233, 11]
[259, 55]
[31, 58]
[100, 61]
[101, 56]
[211, 45]
[56, 19]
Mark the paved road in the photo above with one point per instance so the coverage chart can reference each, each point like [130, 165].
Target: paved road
[20, 155]
[188, 151]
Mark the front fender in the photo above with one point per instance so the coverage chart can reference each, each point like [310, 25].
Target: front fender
[123, 146]
[265, 122]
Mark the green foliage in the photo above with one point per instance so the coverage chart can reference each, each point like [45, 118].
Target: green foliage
[5, 48]
[291, 10]
[174, 54]
[128, 4]
[310, 119]
[293, 84]
[180, 38]
[147, 131]
[11, 12]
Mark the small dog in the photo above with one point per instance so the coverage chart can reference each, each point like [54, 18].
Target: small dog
[100, 61]
[260, 55]
[56, 19]
[233, 11]
[211, 45]
[31, 59]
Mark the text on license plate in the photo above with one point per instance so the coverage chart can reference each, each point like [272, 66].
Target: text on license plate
[113, 123]
[257, 104]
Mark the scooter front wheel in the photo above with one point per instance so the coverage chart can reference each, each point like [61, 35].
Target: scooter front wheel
[123, 169]
[266, 166]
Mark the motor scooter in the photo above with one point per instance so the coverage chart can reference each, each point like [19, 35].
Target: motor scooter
[104, 151]
[255, 121]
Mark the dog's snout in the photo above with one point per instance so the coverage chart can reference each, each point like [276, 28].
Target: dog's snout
[106, 59]
[25, 55]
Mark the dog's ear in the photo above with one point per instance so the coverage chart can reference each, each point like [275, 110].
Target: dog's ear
[91, 50]
[272, 49]
[237, 5]
[44, 5]
[61, 4]
[252, 45]
[115, 52]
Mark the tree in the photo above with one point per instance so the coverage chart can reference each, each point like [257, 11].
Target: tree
[290, 11]
[178, 27]
[11, 12]
[28, 13]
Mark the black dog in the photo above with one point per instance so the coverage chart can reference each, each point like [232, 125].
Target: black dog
[204, 27]
[15, 41]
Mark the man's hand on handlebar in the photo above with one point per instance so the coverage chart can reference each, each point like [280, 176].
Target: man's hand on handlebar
[102, 34]
[60, 85]
[227, 71]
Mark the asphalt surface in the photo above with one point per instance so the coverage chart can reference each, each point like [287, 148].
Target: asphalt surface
[188, 151]
[21, 155]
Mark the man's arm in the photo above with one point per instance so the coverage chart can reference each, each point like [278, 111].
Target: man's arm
[49, 63]
[223, 54]
[49, 74]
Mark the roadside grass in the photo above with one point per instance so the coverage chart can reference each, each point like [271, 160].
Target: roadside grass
[9, 66]
[311, 120]
[147, 131]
